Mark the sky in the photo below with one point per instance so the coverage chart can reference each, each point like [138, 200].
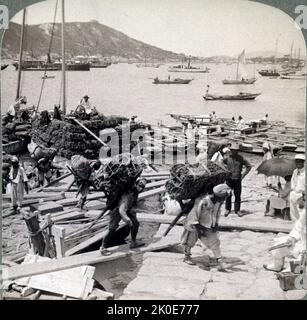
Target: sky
[197, 27]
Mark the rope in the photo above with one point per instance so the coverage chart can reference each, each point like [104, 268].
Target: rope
[49, 50]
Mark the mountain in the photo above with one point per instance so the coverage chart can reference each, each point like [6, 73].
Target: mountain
[81, 38]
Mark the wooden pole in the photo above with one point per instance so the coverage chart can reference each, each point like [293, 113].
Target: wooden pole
[36, 236]
[21, 53]
[90, 132]
[63, 60]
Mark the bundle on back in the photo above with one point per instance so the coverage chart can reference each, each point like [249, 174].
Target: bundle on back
[191, 181]
[119, 175]
[81, 167]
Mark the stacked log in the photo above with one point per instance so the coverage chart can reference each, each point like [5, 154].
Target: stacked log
[16, 130]
[69, 139]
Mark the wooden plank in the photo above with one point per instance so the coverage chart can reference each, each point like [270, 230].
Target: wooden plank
[31, 202]
[86, 243]
[156, 184]
[90, 258]
[47, 207]
[53, 182]
[150, 193]
[67, 216]
[75, 282]
[29, 196]
[155, 174]
[224, 223]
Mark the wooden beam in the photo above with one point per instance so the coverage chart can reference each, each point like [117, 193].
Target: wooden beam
[90, 132]
[53, 182]
[224, 223]
[35, 201]
[90, 258]
[150, 193]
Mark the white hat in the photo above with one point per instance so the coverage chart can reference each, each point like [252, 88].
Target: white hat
[14, 159]
[225, 150]
[222, 190]
[266, 145]
[300, 157]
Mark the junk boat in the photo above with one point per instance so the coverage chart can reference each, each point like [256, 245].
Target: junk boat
[240, 96]
[241, 77]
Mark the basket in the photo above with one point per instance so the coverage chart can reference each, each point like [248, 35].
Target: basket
[81, 167]
[191, 181]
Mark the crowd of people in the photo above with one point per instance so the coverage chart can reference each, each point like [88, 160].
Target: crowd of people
[202, 213]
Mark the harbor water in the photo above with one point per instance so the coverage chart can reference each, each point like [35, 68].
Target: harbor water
[126, 90]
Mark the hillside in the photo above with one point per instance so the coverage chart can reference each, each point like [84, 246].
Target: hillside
[82, 38]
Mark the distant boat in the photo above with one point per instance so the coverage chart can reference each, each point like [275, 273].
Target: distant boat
[95, 62]
[4, 66]
[188, 68]
[239, 96]
[173, 81]
[40, 65]
[241, 77]
[296, 76]
[269, 73]
[148, 65]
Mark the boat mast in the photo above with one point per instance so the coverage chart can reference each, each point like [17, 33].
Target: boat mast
[63, 60]
[276, 46]
[20, 53]
[291, 52]
[242, 54]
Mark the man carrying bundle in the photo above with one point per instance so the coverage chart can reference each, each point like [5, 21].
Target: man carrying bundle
[124, 212]
[85, 174]
[202, 222]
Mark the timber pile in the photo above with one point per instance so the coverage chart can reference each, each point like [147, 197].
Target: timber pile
[70, 139]
[77, 283]
[14, 131]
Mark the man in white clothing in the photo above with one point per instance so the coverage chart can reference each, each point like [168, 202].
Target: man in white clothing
[297, 185]
[295, 242]
[19, 182]
[85, 103]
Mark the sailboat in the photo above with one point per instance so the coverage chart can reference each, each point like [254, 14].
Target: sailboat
[271, 72]
[241, 74]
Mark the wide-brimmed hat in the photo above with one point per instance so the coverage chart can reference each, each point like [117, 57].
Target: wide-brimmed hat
[234, 146]
[300, 157]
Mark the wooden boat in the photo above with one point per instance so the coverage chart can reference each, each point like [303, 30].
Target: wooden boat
[240, 74]
[240, 96]
[4, 66]
[174, 81]
[294, 77]
[38, 65]
[243, 81]
[269, 73]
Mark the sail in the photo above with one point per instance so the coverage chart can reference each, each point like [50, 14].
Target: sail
[241, 72]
